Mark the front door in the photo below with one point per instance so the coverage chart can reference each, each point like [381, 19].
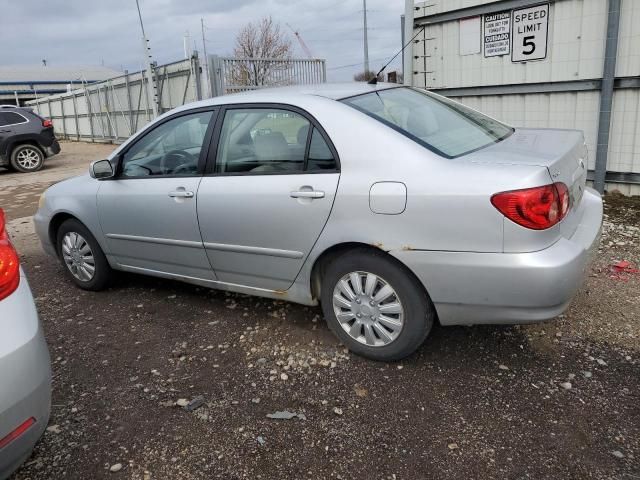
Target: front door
[269, 196]
[148, 212]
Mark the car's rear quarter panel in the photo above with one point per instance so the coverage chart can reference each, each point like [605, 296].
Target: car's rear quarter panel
[448, 202]
[25, 375]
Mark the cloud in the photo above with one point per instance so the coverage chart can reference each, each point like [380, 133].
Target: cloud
[108, 31]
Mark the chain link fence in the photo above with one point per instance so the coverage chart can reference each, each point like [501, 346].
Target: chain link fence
[113, 110]
[232, 75]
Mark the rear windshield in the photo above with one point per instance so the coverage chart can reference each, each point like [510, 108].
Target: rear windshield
[441, 125]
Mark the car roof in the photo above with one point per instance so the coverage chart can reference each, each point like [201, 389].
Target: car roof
[15, 108]
[332, 91]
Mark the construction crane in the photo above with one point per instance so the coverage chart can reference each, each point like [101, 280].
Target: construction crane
[301, 41]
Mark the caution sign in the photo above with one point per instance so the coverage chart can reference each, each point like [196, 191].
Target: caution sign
[497, 34]
[530, 28]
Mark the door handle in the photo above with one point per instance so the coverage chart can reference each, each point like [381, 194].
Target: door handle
[307, 194]
[5, 131]
[181, 194]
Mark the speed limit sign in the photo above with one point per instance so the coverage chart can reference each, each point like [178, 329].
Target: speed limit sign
[530, 28]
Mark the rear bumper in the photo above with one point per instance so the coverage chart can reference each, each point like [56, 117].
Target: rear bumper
[25, 377]
[53, 149]
[509, 288]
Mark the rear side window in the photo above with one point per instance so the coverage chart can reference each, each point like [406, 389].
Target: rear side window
[11, 118]
[441, 125]
[262, 141]
[320, 155]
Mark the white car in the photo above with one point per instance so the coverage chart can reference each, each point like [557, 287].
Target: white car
[25, 372]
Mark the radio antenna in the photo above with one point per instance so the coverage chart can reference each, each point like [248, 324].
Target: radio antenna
[374, 80]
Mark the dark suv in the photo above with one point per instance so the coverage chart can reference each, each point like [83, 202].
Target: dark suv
[26, 139]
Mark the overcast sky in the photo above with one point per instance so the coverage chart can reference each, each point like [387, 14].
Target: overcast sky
[108, 31]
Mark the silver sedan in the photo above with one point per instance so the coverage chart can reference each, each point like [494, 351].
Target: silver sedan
[394, 208]
[25, 374]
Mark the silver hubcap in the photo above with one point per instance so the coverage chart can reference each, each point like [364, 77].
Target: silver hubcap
[368, 309]
[78, 256]
[28, 158]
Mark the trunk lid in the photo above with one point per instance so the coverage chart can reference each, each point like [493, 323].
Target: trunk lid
[562, 152]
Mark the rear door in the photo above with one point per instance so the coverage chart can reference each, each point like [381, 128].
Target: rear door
[9, 121]
[270, 187]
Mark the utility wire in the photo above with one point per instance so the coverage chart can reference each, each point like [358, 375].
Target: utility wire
[356, 64]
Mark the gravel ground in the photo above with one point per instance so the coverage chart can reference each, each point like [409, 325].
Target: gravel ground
[555, 400]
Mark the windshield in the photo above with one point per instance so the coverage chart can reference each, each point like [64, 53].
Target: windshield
[441, 125]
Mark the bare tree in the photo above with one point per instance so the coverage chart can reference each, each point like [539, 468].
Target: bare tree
[366, 76]
[258, 44]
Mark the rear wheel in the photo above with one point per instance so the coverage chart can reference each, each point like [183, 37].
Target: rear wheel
[375, 306]
[82, 258]
[27, 158]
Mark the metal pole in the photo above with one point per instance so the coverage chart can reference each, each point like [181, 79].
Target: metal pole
[402, 38]
[49, 108]
[186, 40]
[366, 40]
[101, 116]
[17, 100]
[114, 99]
[159, 90]
[140, 17]
[606, 94]
[151, 85]
[195, 62]
[89, 110]
[214, 66]
[206, 58]
[75, 116]
[407, 59]
[127, 85]
[64, 122]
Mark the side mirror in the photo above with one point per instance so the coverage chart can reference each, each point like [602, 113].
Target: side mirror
[101, 170]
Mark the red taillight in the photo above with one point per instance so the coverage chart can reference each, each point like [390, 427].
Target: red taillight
[17, 432]
[46, 123]
[537, 208]
[9, 262]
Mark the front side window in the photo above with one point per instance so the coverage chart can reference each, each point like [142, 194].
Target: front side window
[172, 149]
[446, 127]
[269, 141]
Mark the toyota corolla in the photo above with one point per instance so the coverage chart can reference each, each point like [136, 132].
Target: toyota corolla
[392, 207]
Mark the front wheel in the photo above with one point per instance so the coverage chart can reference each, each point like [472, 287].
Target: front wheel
[375, 306]
[27, 158]
[81, 256]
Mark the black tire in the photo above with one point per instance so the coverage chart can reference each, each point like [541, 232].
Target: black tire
[102, 275]
[419, 313]
[27, 158]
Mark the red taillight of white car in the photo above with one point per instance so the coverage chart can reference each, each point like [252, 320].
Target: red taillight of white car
[17, 432]
[536, 208]
[9, 262]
